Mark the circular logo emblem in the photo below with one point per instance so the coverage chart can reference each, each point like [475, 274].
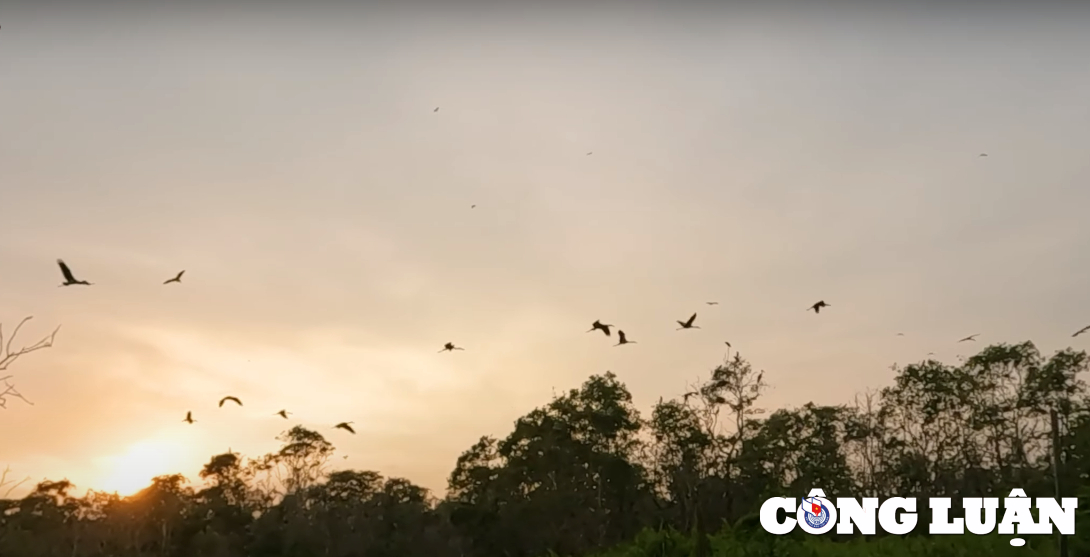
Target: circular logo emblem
[816, 515]
[818, 520]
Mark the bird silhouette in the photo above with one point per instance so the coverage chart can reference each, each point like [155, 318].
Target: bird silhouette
[970, 337]
[590, 153]
[472, 206]
[232, 399]
[189, 417]
[1081, 331]
[712, 303]
[688, 324]
[346, 427]
[817, 307]
[598, 325]
[728, 344]
[900, 334]
[449, 347]
[69, 278]
[930, 353]
[436, 109]
[984, 154]
[177, 278]
[283, 414]
[623, 339]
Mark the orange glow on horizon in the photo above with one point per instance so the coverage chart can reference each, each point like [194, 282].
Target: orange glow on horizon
[133, 470]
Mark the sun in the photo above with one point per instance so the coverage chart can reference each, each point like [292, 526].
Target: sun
[133, 470]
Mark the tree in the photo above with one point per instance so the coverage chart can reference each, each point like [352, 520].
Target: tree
[585, 474]
[566, 479]
[7, 486]
[698, 453]
[300, 463]
[8, 357]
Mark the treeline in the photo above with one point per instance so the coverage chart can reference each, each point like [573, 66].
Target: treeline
[587, 475]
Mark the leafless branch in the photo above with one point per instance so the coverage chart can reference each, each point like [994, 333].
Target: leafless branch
[8, 357]
[10, 390]
[11, 485]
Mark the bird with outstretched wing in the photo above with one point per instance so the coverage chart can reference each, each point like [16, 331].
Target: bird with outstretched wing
[69, 278]
[232, 399]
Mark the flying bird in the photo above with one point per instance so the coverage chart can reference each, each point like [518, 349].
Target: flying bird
[598, 325]
[623, 340]
[900, 334]
[69, 278]
[472, 206]
[970, 337]
[590, 153]
[984, 154]
[930, 353]
[283, 414]
[712, 303]
[436, 109]
[346, 427]
[1081, 331]
[177, 278]
[817, 307]
[688, 324]
[728, 344]
[232, 399]
[449, 347]
[189, 417]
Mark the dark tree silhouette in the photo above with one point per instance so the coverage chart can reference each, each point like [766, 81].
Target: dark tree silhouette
[585, 474]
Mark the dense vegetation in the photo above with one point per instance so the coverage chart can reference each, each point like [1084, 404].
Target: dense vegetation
[586, 475]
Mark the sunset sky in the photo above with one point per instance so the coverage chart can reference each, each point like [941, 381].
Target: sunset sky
[291, 162]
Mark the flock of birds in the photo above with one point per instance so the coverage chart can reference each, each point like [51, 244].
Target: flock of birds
[282, 413]
[622, 338]
[71, 280]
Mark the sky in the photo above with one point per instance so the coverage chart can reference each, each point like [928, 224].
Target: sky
[289, 159]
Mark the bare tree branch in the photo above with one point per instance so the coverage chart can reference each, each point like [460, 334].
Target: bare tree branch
[11, 485]
[10, 390]
[8, 357]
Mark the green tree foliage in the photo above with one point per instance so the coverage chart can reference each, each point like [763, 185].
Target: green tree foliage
[586, 474]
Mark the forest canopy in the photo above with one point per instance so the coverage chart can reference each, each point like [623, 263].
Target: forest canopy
[586, 474]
